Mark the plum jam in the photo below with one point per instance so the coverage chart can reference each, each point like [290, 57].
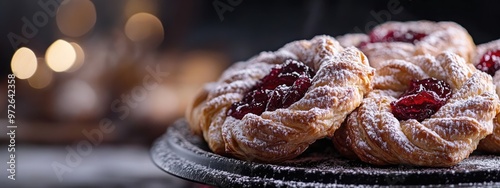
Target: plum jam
[490, 62]
[284, 85]
[422, 99]
[396, 36]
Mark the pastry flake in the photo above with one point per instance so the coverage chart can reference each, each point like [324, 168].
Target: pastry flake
[487, 59]
[374, 135]
[399, 40]
[342, 76]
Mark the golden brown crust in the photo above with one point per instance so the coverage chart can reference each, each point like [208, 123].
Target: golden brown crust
[352, 39]
[441, 36]
[343, 76]
[492, 142]
[375, 136]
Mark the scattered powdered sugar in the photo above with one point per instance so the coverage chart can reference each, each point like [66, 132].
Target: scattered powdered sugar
[444, 139]
[183, 154]
[440, 36]
[492, 142]
[483, 48]
[352, 39]
[380, 52]
[496, 80]
[342, 77]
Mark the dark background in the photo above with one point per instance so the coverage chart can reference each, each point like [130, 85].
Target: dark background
[255, 26]
[189, 26]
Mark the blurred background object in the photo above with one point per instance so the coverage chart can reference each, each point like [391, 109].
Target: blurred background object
[79, 62]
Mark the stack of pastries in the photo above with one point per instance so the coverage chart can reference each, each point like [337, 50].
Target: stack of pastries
[417, 93]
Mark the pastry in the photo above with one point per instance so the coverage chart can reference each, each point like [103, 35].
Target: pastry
[273, 106]
[398, 40]
[487, 59]
[423, 111]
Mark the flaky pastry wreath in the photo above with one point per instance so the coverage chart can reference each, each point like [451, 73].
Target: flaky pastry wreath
[436, 120]
[487, 59]
[399, 40]
[284, 128]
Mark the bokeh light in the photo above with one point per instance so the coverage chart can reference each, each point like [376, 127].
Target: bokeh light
[136, 6]
[60, 56]
[162, 103]
[24, 63]
[76, 17]
[42, 77]
[80, 57]
[76, 97]
[144, 28]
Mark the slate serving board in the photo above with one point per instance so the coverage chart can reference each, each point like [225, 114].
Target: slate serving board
[180, 153]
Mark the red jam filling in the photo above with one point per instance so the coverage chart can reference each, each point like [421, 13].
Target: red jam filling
[396, 36]
[422, 99]
[490, 62]
[283, 86]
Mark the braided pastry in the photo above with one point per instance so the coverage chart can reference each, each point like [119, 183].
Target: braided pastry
[281, 124]
[437, 120]
[487, 59]
[399, 40]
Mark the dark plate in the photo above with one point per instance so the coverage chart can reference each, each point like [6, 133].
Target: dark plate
[185, 155]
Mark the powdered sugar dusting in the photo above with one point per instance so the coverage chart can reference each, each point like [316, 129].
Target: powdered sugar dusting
[440, 37]
[496, 80]
[183, 154]
[342, 77]
[492, 142]
[444, 139]
[352, 39]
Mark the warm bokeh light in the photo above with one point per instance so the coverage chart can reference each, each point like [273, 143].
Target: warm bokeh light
[144, 28]
[80, 57]
[136, 6]
[193, 70]
[24, 63]
[76, 17]
[76, 98]
[42, 77]
[60, 56]
[162, 103]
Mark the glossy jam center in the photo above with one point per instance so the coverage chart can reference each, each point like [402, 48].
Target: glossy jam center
[396, 36]
[422, 99]
[283, 86]
[490, 62]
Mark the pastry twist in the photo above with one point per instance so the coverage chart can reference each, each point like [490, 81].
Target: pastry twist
[440, 36]
[374, 135]
[492, 142]
[343, 76]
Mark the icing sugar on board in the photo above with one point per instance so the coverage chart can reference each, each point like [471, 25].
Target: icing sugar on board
[185, 155]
